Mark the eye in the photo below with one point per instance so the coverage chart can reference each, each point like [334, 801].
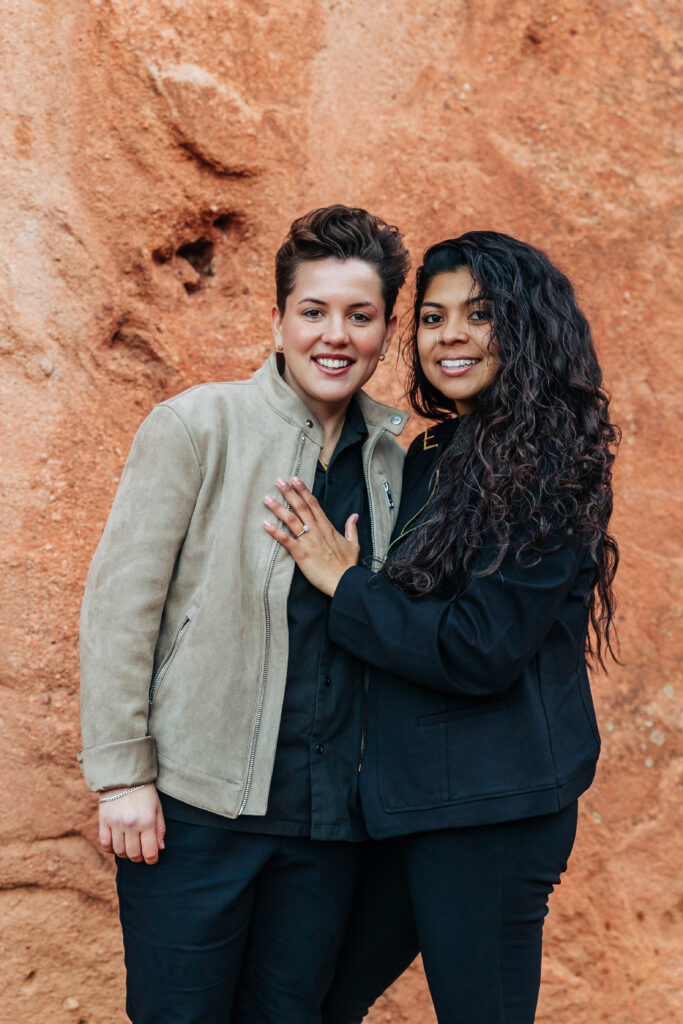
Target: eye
[312, 314]
[480, 316]
[360, 318]
[430, 319]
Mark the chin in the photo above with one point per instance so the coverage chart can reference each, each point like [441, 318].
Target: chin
[335, 387]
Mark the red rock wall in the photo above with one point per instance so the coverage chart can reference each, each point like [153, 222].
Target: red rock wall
[153, 155]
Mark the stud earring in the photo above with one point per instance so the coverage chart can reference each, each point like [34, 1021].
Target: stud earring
[438, 338]
[382, 357]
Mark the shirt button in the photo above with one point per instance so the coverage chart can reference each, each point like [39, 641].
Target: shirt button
[328, 681]
[396, 420]
[309, 423]
[320, 749]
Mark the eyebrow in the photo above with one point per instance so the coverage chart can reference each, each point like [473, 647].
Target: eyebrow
[321, 302]
[475, 300]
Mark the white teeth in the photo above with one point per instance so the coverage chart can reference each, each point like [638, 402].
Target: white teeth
[454, 364]
[334, 364]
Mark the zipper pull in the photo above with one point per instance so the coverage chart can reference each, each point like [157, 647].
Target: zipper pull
[390, 500]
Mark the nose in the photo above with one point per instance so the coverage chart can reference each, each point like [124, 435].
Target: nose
[335, 332]
[454, 331]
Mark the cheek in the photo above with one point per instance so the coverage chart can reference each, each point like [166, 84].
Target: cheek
[428, 367]
[295, 338]
[369, 346]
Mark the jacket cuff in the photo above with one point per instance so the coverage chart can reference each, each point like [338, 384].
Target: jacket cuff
[126, 763]
[343, 624]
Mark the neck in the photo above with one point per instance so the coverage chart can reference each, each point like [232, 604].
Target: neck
[332, 428]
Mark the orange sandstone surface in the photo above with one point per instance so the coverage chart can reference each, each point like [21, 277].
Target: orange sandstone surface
[153, 154]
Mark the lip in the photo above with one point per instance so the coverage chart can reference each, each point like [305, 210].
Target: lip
[457, 371]
[329, 371]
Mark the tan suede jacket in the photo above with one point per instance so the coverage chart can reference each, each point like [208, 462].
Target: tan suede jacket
[184, 635]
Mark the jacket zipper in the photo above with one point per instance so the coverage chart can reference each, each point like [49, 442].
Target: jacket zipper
[161, 671]
[366, 675]
[366, 473]
[405, 531]
[264, 674]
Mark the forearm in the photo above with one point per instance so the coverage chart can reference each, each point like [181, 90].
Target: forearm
[475, 645]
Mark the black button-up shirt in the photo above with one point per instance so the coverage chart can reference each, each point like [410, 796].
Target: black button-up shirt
[314, 788]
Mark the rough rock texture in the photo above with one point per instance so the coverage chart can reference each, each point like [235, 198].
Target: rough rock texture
[153, 155]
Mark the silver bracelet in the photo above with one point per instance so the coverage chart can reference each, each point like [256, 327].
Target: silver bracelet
[125, 792]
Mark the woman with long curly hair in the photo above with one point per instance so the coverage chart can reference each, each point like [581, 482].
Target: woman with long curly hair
[497, 589]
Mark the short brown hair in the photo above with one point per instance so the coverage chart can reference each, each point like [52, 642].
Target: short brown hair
[343, 233]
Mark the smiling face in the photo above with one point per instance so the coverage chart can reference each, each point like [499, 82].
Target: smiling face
[453, 338]
[332, 331]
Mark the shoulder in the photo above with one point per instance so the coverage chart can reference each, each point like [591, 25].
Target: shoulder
[204, 399]
[435, 439]
[202, 416]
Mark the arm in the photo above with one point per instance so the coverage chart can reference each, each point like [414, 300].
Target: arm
[122, 607]
[476, 645]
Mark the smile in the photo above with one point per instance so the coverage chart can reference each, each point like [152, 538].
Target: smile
[456, 367]
[332, 364]
[455, 364]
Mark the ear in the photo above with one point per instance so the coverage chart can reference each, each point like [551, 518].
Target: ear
[276, 327]
[388, 334]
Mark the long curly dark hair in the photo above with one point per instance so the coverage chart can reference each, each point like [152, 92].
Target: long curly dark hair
[537, 465]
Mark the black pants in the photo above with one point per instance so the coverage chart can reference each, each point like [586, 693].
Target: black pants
[219, 903]
[473, 901]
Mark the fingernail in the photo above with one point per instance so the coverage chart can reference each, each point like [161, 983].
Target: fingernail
[296, 481]
[268, 500]
[280, 482]
[162, 845]
[268, 526]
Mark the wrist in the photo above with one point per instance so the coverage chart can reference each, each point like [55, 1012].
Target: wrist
[334, 583]
[114, 794]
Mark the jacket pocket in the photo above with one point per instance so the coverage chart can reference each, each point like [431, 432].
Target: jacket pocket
[452, 714]
[160, 673]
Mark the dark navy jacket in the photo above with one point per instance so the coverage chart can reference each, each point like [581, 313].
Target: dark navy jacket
[478, 708]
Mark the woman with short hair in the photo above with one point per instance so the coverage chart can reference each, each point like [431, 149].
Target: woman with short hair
[221, 727]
